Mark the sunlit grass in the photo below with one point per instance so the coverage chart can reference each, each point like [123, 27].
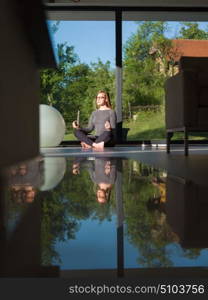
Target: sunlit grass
[151, 125]
[69, 137]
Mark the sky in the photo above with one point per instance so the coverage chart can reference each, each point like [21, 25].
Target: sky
[96, 39]
[92, 39]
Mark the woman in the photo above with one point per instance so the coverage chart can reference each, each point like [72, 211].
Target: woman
[103, 121]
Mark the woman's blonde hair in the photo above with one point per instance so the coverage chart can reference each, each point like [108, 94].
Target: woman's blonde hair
[107, 98]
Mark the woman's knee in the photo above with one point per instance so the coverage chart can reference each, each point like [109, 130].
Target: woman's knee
[77, 132]
[108, 135]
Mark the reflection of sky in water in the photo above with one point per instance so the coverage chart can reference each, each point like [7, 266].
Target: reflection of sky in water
[94, 247]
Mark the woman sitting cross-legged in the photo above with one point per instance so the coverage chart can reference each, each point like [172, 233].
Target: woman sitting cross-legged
[102, 120]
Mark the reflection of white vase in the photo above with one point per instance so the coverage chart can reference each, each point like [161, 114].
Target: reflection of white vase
[54, 170]
[52, 126]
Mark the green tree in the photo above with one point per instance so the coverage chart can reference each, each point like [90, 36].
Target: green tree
[101, 77]
[191, 30]
[74, 93]
[144, 55]
[52, 81]
[65, 88]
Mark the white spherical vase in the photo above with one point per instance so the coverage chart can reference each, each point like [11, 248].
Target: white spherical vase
[52, 126]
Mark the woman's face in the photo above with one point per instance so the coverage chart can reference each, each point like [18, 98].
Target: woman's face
[101, 99]
[101, 196]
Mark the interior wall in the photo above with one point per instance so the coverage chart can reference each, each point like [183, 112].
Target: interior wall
[19, 90]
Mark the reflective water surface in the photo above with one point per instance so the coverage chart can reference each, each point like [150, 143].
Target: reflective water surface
[101, 213]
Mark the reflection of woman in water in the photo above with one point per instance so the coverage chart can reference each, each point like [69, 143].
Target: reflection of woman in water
[102, 172]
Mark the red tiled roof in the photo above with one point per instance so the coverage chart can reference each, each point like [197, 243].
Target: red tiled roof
[196, 48]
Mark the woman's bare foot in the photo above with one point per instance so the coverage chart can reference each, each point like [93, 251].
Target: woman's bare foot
[75, 169]
[85, 146]
[98, 146]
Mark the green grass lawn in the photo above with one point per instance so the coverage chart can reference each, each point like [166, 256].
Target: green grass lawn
[148, 126]
[151, 125]
[69, 137]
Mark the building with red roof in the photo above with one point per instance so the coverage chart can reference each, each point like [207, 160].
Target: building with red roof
[194, 48]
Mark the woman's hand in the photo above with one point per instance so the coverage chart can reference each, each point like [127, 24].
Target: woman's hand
[74, 125]
[107, 125]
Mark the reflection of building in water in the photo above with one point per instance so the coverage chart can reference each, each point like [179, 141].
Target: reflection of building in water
[156, 205]
[158, 199]
[135, 166]
[179, 211]
[160, 183]
[160, 229]
[187, 209]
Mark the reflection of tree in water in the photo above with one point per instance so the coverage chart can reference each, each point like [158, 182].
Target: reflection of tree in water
[147, 228]
[191, 253]
[63, 208]
[82, 195]
[56, 225]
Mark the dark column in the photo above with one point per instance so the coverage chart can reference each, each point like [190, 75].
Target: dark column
[119, 73]
[120, 219]
[186, 141]
[3, 235]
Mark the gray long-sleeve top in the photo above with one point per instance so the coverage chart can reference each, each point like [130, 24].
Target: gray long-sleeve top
[97, 121]
[97, 171]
